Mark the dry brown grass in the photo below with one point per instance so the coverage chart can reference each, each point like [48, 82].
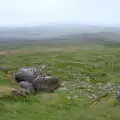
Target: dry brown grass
[8, 52]
[5, 89]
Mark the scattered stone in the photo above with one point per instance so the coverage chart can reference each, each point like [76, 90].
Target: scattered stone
[94, 91]
[20, 92]
[63, 84]
[32, 81]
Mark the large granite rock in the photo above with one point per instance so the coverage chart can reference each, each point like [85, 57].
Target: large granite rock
[32, 81]
[26, 74]
[46, 83]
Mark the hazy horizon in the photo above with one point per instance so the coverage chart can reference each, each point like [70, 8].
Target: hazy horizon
[38, 12]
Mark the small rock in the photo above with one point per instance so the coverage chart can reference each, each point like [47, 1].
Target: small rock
[20, 92]
[63, 84]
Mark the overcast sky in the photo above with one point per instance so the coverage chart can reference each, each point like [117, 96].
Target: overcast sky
[59, 11]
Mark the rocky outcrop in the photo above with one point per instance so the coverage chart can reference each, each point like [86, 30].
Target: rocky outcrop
[31, 81]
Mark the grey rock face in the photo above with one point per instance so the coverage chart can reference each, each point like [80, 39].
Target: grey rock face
[26, 74]
[27, 86]
[46, 83]
[30, 80]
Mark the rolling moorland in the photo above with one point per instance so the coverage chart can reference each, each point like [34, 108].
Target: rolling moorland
[87, 66]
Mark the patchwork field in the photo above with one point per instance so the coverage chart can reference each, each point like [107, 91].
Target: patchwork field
[89, 76]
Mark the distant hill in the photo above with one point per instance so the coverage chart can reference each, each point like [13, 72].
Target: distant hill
[92, 37]
[61, 32]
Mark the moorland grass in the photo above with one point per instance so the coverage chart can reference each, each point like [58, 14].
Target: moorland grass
[71, 64]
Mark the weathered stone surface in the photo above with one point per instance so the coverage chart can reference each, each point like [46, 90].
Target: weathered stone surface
[46, 83]
[93, 91]
[31, 80]
[27, 85]
[26, 74]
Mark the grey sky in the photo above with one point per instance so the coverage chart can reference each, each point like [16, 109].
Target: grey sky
[59, 11]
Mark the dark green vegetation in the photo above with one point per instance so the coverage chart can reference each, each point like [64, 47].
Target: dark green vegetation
[74, 64]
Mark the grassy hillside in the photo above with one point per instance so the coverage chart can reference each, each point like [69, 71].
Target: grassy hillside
[89, 76]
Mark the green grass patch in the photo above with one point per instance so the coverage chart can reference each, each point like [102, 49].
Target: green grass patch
[73, 64]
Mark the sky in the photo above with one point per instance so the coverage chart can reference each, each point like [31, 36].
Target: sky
[31, 12]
